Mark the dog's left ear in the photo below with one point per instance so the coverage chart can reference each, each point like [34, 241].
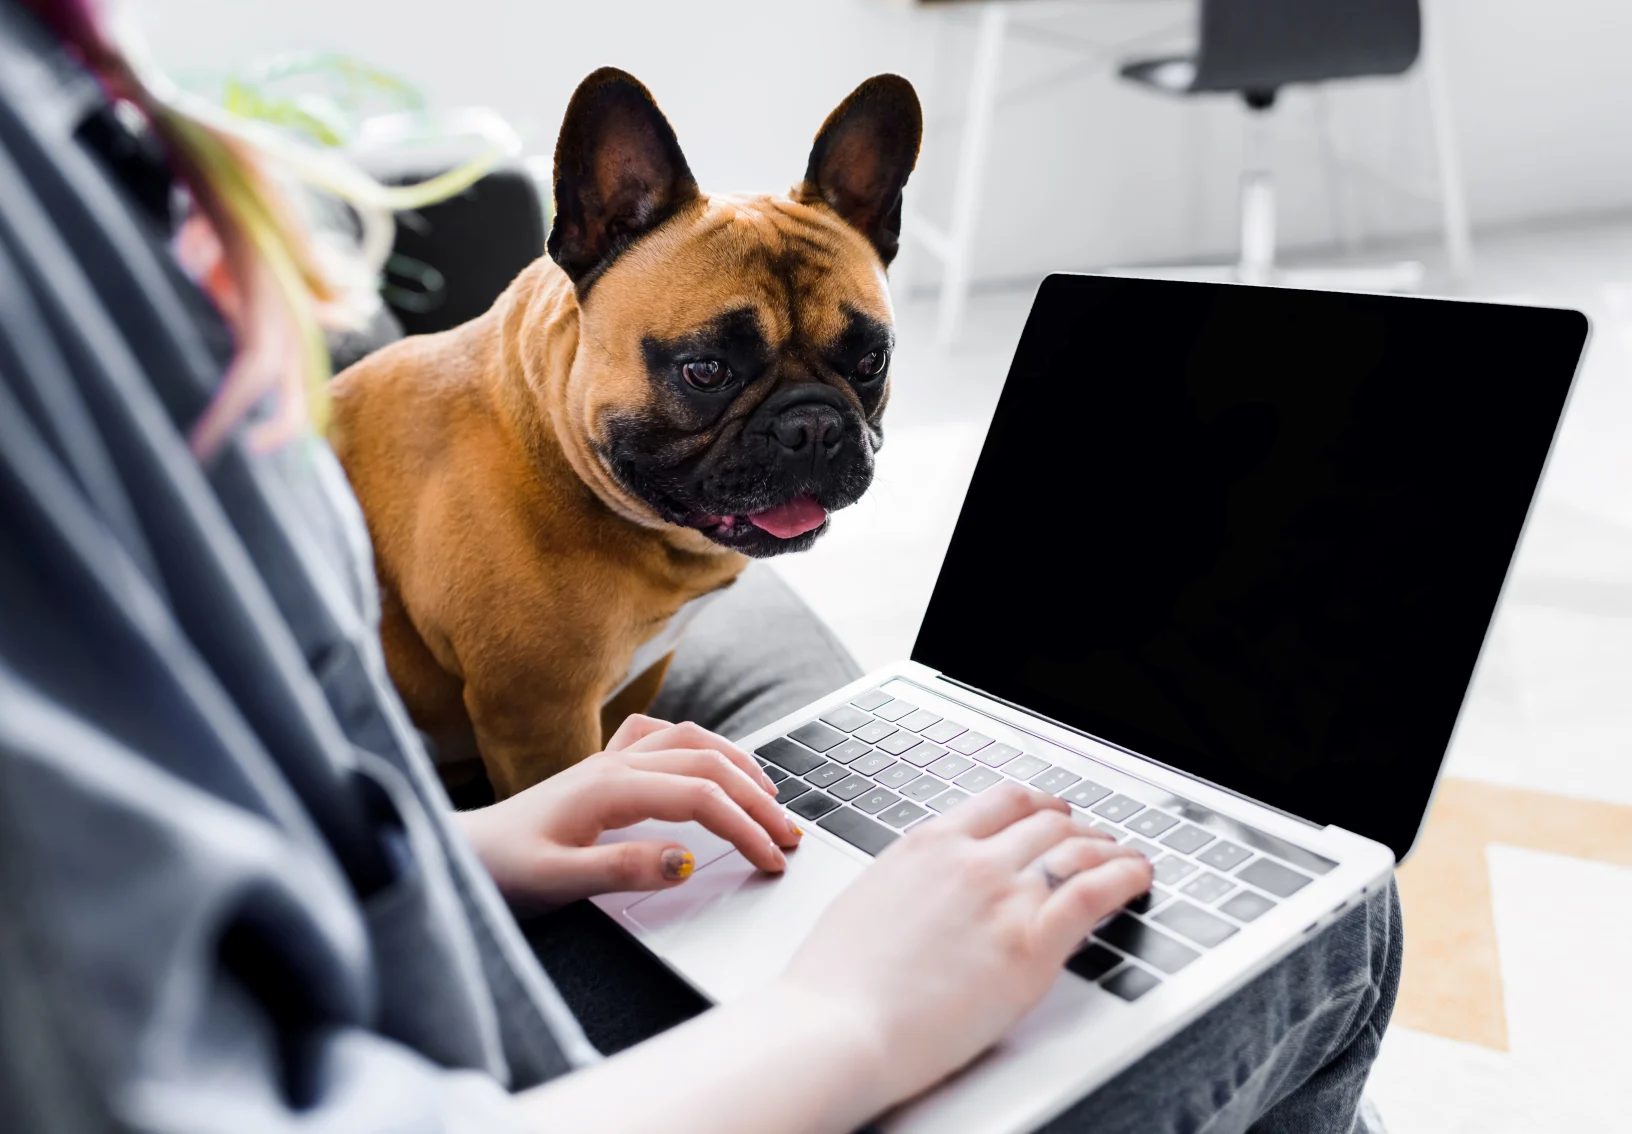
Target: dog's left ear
[862, 157]
[619, 173]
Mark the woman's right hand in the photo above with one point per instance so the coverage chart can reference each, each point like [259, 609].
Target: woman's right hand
[962, 932]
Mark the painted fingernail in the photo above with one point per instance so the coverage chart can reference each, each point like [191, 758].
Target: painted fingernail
[795, 830]
[678, 864]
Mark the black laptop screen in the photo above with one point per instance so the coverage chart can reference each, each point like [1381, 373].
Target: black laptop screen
[1252, 533]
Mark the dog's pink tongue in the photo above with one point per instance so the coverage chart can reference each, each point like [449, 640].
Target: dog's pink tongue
[796, 517]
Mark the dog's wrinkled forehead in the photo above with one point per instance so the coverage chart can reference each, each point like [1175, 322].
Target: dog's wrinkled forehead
[765, 284]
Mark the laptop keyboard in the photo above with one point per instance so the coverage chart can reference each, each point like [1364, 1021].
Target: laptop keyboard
[872, 769]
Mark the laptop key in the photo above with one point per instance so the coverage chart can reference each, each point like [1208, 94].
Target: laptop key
[846, 719]
[919, 721]
[944, 731]
[1147, 901]
[826, 775]
[951, 766]
[1119, 807]
[876, 800]
[1188, 839]
[1130, 982]
[1282, 881]
[815, 734]
[1207, 888]
[894, 710]
[1247, 906]
[1085, 794]
[1093, 961]
[871, 699]
[998, 754]
[1151, 823]
[786, 754]
[1171, 870]
[1224, 856]
[850, 750]
[1195, 923]
[923, 755]
[1133, 936]
[859, 831]
[873, 733]
[1023, 768]
[898, 775]
[872, 763]
[813, 805]
[925, 787]
[790, 789]
[777, 774]
[1149, 850]
[851, 786]
[901, 814]
[947, 800]
[978, 780]
[1054, 780]
[899, 743]
[1115, 834]
[970, 743]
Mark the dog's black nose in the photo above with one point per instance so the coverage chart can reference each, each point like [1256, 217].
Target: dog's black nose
[811, 425]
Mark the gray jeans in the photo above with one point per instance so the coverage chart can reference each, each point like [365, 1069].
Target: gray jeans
[1288, 1053]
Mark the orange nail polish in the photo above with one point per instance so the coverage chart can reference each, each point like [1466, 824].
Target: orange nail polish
[678, 864]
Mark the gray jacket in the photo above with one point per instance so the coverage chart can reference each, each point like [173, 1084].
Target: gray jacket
[232, 897]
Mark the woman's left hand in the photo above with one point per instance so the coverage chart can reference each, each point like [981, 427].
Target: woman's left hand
[540, 844]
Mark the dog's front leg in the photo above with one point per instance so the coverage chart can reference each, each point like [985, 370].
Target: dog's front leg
[527, 738]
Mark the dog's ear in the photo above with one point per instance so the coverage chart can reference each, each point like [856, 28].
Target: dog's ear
[862, 157]
[619, 173]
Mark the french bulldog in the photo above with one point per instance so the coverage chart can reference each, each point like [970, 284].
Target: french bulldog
[686, 381]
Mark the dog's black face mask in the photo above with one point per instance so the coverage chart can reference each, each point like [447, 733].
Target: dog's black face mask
[754, 445]
[734, 352]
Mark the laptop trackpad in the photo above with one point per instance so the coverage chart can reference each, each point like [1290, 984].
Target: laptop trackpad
[730, 927]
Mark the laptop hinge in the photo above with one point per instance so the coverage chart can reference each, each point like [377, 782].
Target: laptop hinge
[1138, 755]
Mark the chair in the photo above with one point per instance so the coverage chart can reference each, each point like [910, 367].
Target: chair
[1254, 49]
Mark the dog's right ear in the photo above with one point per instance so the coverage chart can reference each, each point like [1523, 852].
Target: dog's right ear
[619, 173]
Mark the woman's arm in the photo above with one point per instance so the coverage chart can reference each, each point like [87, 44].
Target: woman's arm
[962, 934]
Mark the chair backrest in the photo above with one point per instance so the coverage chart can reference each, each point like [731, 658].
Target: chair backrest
[1263, 45]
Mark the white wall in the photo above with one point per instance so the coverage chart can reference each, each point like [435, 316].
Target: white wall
[1085, 172]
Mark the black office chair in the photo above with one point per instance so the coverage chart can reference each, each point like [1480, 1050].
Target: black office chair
[1253, 48]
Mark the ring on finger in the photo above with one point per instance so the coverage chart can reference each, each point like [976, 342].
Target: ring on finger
[1050, 879]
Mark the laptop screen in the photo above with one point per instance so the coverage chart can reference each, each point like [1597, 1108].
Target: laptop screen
[1255, 534]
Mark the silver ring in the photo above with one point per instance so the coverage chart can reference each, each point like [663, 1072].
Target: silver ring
[1050, 879]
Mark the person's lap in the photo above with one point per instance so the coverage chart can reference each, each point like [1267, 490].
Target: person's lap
[1290, 1052]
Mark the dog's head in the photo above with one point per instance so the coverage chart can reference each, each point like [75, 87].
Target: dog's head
[733, 353]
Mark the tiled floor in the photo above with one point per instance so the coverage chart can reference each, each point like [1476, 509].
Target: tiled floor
[1516, 1010]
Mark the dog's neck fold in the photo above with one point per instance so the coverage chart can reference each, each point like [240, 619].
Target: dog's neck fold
[539, 337]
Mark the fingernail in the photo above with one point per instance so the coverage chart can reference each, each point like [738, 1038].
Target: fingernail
[678, 864]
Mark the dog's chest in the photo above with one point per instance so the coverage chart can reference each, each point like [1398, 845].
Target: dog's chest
[655, 648]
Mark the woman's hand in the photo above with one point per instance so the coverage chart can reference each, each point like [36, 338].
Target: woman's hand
[960, 931]
[540, 847]
[965, 922]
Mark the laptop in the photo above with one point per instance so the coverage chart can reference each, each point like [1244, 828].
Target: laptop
[1220, 580]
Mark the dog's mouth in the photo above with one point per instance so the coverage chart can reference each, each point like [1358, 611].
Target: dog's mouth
[786, 521]
[768, 530]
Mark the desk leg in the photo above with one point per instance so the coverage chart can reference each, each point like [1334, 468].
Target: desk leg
[1453, 201]
[969, 183]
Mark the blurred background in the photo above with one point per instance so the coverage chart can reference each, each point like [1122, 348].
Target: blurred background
[1489, 157]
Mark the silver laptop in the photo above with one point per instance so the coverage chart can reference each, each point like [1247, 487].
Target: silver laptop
[1220, 580]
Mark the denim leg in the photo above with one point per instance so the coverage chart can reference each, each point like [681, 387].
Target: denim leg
[1288, 1054]
[754, 654]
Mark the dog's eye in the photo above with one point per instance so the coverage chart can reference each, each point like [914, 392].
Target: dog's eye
[706, 374]
[872, 364]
